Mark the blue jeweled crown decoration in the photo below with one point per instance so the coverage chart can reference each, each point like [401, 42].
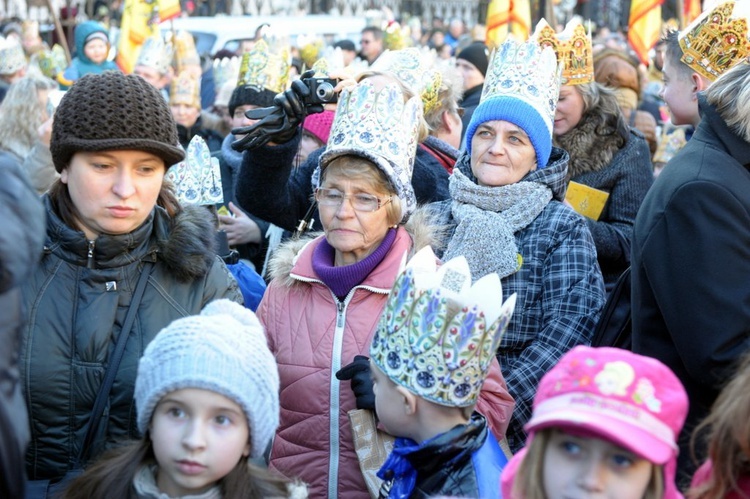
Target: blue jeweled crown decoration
[438, 334]
[197, 179]
[525, 71]
[378, 125]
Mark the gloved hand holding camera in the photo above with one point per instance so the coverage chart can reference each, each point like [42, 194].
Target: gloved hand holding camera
[359, 373]
[279, 123]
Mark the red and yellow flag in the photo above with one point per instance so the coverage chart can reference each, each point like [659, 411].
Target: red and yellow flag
[505, 15]
[691, 9]
[644, 26]
[140, 19]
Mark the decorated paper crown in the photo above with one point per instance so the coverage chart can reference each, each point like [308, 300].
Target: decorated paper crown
[573, 49]
[185, 53]
[715, 41]
[226, 69]
[156, 54]
[30, 28]
[526, 72]
[186, 89]
[12, 57]
[262, 68]
[51, 62]
[197, 179]
[379, 126]
[416, 70]
[438, 334]
[396, 37]
[310, 49]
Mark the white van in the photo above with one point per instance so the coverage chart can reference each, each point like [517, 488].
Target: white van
[227, 32]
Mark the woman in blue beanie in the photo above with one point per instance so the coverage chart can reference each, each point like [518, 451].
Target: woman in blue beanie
[506, 215]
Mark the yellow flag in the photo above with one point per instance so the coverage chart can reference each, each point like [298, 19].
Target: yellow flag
[140, 20]
[504, 15]
[691, 10]
[644, 26]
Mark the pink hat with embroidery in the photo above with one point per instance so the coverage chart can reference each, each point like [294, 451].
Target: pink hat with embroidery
[319, 125]
[634, 401]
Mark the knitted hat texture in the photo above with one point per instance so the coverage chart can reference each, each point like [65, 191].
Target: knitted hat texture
[319, 125]
[478, 54]
[250, 95]
[223, 350]
[113, 111]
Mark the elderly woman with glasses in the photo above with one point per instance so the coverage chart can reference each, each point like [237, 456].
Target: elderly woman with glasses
[327, 293]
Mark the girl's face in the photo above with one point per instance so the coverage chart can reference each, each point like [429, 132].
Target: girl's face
[588, 467]
[569, 110]
[198, 436]
[96, 51]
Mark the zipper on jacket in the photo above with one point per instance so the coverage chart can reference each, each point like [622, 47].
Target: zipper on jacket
[90, 257]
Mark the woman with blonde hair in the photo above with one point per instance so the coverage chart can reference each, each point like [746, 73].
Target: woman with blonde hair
[25, 127]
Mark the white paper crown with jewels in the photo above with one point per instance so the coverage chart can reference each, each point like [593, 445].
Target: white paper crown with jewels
[197, 179]
[438, 334]
[525, 71]
[378, 125]
[717, 39]
[12, 57]
[416, 69]
[156, 54]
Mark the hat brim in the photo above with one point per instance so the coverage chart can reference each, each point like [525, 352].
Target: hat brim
[626, 435]
[171, 155]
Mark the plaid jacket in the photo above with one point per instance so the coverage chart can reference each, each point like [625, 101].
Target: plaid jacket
[560, 291]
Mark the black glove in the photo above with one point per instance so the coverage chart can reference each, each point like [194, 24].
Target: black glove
[359, 373]
[280, 122]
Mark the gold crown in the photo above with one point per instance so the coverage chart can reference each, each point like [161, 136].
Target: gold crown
[262, 69]
[715, 41]
[573, 49]
[186, 89]
[438, 334]
[310, 50]
[185, 53]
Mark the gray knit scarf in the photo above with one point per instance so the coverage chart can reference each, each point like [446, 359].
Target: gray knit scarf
[487, 218]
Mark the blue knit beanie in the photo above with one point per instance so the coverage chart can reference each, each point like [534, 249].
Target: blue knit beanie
[521, 114]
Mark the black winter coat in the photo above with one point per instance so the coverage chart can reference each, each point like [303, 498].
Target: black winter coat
[691, 265]
[77, 299]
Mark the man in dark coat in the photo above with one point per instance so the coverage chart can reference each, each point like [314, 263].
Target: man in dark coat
[691, 254]
[472, 63]
[21, 242]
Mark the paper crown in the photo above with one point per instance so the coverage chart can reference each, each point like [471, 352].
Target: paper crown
[186, 89]
[715, 41]
[51, 62]
[185, 53]
[573, 49]
[438, 334]
[197, 179]
[156, 54]
[380, 126]
[310, 49]
[525, 71]
[30, 28]
[12, 57]
[415, 69]
[396, 37]
[263, 68]
[226, 69]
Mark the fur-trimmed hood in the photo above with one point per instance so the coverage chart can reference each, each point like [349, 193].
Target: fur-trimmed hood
[420, 227]
[185, 244]
[590, 149]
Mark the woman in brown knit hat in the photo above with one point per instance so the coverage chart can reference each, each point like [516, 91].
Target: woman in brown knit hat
[110, 219]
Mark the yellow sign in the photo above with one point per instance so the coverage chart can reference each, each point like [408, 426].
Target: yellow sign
[586, 200]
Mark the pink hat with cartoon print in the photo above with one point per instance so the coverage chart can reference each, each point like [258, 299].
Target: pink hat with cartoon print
[635, 401]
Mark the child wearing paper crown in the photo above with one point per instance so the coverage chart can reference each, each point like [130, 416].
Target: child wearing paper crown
[429, 358]
[605, 422]
[207, 401]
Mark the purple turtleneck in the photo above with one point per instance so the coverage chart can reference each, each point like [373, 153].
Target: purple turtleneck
[342, 279]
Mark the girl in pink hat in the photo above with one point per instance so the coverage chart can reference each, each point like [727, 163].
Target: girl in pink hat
[605, 424]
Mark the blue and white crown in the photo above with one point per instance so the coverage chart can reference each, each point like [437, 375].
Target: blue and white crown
[438, 334]
[156, 53]
[12, 57]
[377, 124]
[525, 71]
[197, 179]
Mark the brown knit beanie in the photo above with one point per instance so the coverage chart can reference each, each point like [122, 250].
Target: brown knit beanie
[113, 111]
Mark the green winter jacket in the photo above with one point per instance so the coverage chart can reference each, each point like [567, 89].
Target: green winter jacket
[77, 300]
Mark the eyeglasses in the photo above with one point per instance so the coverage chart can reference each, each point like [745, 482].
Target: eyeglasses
[334, 198]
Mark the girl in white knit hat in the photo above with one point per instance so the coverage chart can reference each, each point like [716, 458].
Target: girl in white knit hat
[207, 402]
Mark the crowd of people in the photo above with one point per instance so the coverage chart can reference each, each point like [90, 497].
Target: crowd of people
[376, 274]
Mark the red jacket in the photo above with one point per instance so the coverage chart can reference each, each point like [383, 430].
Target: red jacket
[312, 336]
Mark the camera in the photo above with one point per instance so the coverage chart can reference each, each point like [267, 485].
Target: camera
[321, 90]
